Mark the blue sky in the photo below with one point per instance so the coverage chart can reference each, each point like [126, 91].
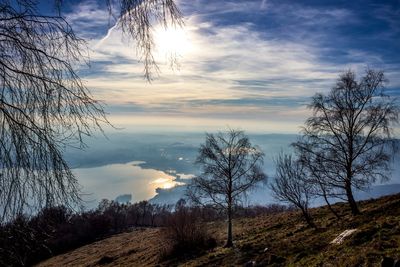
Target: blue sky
[248, 64]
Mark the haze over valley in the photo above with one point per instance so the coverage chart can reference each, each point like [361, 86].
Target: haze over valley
[156, 167]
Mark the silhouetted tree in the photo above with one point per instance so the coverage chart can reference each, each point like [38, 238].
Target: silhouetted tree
[44, 106]
[316, 178]
[348, 137]
[231, 165]
[290, 185]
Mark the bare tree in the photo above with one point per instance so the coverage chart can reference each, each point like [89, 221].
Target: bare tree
[231, 165]
[348, 136]
[44, 105]
[290, 185]
[316, 176]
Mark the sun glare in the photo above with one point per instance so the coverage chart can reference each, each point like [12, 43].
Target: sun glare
[172, 41]
[164, 183]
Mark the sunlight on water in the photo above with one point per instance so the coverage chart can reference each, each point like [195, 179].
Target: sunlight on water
[111, 180]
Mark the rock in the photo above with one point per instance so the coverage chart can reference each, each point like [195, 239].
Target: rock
[340, 238]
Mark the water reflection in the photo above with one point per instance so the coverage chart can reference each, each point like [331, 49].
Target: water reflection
[109, 181]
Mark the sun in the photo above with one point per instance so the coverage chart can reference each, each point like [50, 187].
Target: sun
[165, 183]
[172, 41]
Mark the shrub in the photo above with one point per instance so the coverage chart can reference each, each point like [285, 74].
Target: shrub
[185, 232]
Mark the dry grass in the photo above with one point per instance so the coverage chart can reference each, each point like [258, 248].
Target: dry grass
[140, 247]
[276, 240]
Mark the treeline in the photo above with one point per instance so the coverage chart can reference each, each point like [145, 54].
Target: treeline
[29, 240]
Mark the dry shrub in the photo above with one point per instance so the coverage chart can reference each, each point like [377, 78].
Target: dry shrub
[185, 233]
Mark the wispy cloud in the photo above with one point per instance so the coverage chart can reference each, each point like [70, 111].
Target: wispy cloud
[255, 60]
[90, 19]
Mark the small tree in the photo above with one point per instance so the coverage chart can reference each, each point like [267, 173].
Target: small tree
[316, 177]
[231, 165]
[349, 134]
[290, 185]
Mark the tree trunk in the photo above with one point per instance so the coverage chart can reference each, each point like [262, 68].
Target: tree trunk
[308, 218]
[229, 241]
[351, 200]
[330, 207]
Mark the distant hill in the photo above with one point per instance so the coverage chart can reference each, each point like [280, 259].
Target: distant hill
[123, 199]
[168, 196]
[378, 191]
[269, 240]
[262, 195]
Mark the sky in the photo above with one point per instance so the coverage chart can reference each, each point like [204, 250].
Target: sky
[245, 64]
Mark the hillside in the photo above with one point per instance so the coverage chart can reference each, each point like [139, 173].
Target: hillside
[276, 240]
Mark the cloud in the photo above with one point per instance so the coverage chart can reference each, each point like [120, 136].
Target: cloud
[90, 19]
[256, 60]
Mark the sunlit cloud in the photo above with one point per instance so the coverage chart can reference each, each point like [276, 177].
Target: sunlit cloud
[240, 62]
[165, 183]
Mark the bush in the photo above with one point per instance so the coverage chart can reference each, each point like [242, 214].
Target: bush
[185, 232]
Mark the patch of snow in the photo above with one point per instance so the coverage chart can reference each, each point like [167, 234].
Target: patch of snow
[340, 238]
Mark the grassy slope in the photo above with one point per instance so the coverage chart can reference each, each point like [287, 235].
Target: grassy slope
[278, 240]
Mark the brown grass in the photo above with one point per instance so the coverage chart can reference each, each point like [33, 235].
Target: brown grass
[137, 248]
[275, 240]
